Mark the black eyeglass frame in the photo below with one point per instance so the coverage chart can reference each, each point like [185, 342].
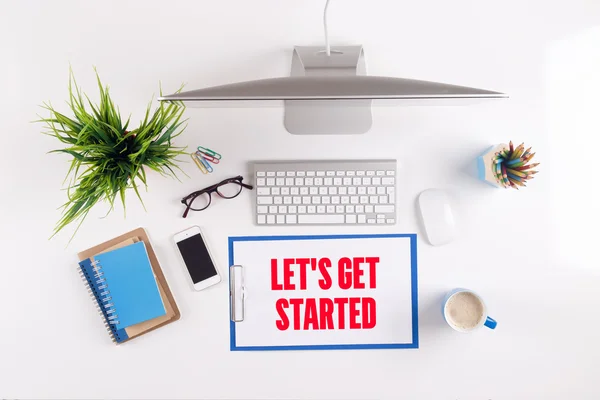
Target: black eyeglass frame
[189, 199]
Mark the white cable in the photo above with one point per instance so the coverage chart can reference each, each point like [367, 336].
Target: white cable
[327, 47]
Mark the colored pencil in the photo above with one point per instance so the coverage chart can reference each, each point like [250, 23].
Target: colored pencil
[525, 167]
[510, 145]
[516, 183]
[510, 166]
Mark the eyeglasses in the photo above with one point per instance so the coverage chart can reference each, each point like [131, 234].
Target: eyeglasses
[227, 189]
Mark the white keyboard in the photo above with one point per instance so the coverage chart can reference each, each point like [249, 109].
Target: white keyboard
[325, 192]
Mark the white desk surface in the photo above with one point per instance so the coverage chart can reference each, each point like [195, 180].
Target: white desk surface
[531, 254]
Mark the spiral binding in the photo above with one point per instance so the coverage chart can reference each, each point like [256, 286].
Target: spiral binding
[102, 300]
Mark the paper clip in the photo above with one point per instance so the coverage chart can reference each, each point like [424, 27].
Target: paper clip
[208, 157]
[209, 152]
[206, 164]
[199, 163]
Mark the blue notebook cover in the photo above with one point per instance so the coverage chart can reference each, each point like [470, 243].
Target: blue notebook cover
[126, 286]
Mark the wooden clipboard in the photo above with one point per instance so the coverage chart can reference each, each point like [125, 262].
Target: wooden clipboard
[172, 311]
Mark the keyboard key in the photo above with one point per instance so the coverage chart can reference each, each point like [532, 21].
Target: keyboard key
[270, 219]
[301, 209]
[373, 199]
[353, 199]
[370, 173]
[310, 173]
[263, 191]
[356, 181]
[262, 219]
[306, 200]
[311, 209]
[390, 173]
[296, 200]
[289, 181]
[380, 190]
[390, 221]
[339, 209]
[303, 190]
[277, 200]
[384, 209]
[272, 209]
[282, 209]
[330, 173]
[335, 199]
[362, 219]
[350, 219]
[321, 219]
[261, 209]
[371, 221]
[287, 200]
[316, 200]
[270, 181]
[260, 182]
[387, 181]
[360, 209]
[339, 173]
[383, 199]
[280, 181]
[380, 173]
[300, 173]
[351, 190]
[320, 173]
[275, 191]
[380, 221]
[280, 173]
[366, 181]
[345, 200]
[281, 219]
[376, 181]
[318, 181]
[264, 200]
[369, 209]
[285, 191]
[314, 190]
[328, 181]
[350, 209]
[364, 200]
[347, 181]
[350, 173]
[390, 190]
[330, 209]
[362, 190]
[326, 200]
[342, 190]
[392, 198]
[382, 216]
[371, 190]
[299, 181]
[260, 173]
[290, 219]
[360, 173]
[321, 209]
[323, 190]
[291, 173]
[292, 209]
[294, 191]
[309, 181]
[333, 190]
[270, 173]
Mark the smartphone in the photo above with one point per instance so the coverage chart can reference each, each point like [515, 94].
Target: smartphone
[196, 257]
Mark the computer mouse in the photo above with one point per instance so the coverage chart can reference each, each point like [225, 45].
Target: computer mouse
[438, 219]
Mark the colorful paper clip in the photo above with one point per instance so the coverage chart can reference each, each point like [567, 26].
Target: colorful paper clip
[208, 157]
[206, 164]
[199, 163]
[209, 152]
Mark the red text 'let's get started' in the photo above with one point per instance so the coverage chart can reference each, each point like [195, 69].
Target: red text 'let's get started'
[318, 313]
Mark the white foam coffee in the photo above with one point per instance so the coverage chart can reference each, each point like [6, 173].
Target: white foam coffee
[464, 311]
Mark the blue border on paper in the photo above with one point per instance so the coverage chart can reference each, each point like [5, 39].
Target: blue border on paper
[413, 276]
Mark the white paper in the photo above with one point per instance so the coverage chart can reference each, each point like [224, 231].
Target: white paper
[392, 293]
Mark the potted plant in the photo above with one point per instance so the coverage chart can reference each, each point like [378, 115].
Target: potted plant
[110, 157]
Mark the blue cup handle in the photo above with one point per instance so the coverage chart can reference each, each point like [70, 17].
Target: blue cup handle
[490, 323]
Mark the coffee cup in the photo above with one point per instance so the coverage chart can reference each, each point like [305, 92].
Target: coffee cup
[465, 311]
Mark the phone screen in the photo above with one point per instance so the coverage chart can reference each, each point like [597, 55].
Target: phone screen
[196, 258]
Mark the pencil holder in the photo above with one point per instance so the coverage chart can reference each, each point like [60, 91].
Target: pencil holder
[505, 166]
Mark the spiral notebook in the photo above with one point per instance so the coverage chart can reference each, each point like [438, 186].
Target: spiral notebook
[125, 289]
